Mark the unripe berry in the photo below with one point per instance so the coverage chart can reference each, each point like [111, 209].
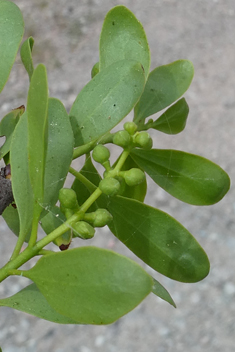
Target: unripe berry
[101, 154]
[130, 127]
[134, 177]
[143, 140]
[68, 198]
[122, 138]
[83, 230]
[109, 186]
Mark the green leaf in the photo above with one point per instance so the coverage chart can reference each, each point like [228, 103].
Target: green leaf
[37, 112]
[161, 292]
[164, 86]
[11, 34]
[31, 301]
[106, 100]
[173, 120]
[123, 37]
[91, 285]
[158, 239]
[26, 55]
[21, 185]
[11, 216]
[7, 127]
[188, 177]
[59, 151]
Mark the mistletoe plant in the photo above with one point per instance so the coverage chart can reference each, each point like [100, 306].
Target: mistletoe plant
[86, 284]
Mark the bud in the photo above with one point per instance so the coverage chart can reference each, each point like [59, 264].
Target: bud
[130, 127]
[109, 186]
[143, 140]
[122, 138]
[83, 230]
[134, 177]
[101, 154]
[68, 199]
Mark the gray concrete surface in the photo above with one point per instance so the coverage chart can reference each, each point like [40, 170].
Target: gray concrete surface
[66, 39]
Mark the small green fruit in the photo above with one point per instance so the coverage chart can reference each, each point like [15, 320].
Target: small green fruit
[134, 177]
[109, 186]
[68, 199]
[143, 140]
[101, 154]
[130, 127]
[83, 230]
[122, 138]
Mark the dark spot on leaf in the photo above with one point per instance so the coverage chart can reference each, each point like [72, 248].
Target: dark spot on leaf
[114, 105]
[113, 23]
[152, 90]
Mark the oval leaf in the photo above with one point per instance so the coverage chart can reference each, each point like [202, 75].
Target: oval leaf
[59, 151]
[123, 37]
[31, 301]
[173, 120]
[106, 100]
[164, 86]
[99, 286]
[188, 177]
[158, 239]
[37, 111]
[21, 185]
[11, 34]
[26, 55]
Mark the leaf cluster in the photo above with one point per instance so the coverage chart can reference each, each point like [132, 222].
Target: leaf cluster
[90, 285]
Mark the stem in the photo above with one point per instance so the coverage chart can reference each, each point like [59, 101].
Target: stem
[82, 178]
[122, 160]
[86, 148]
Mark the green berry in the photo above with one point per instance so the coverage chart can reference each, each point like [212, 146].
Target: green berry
[95, 70]
[68, 199]
[143, 140]
[101, 154]
[83, 230]
[130, 127]
[122, 138]
[109, 186]
[134, 177]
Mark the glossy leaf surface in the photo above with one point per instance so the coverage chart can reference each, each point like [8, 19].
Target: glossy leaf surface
[31, 301]
[106, 100]
[21, 185]
[123, 37]
[59, 151]
[164, 86]
[7, 127]
[173, 120]
[11, 34]
[161, 292]
[37, 112]
[158, 239]
[26, 55]
[188, 177]
[91, 285]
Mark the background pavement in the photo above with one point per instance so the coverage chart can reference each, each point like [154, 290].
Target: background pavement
[66, 37]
